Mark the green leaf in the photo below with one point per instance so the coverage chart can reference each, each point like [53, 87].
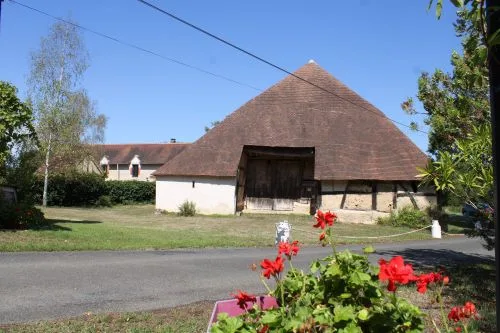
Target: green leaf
[369, 249]
[363, 314]
[439, 8]
[343, 313]
[315, 265]
[270, 318]
[458, 3]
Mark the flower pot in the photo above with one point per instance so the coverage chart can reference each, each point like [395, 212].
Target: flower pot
[232, 308]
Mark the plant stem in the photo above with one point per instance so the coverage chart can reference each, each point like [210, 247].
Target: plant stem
[265, 285]
[282, 293]
[332, 242]
[292, 268]
[435, 326]
[441, 308]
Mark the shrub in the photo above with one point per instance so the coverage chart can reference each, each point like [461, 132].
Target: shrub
[130, 191]
[104, 201]
[20, 216]
[73, 189]
[187, 208]
[406, 217]
[90, 189]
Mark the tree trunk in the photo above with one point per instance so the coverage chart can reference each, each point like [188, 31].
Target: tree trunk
[46, 178]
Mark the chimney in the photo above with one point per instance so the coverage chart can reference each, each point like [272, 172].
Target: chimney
[173, 140]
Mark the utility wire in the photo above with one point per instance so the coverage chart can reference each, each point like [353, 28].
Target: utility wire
[122, 42]
[268, 62]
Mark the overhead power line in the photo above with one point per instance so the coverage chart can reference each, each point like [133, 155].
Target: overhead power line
[134, 46]
[203, 31]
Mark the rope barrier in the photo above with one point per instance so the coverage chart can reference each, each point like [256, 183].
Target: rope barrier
[445, 233]
[370, 237]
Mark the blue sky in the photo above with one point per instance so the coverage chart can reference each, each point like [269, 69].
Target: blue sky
[377, 48]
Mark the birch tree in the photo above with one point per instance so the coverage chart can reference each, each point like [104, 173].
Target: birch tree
[66, 119]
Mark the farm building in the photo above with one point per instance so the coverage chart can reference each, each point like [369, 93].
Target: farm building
[294, 148]
[136, 161]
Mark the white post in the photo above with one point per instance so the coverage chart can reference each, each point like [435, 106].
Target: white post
[283, 232]
[436, 229]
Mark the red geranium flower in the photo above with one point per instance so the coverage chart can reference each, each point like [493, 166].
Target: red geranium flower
[243, 298]
[288, 249]
[324, 219]
[395, 271]
[467, 311]
[454, 314]
[424, 279]
[272, 267]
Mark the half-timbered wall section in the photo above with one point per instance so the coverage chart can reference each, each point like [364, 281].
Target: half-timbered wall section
[382, 196]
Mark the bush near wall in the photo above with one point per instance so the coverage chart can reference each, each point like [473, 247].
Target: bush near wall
[20, 216]
[90, 189]
[73, 189]
[130, 191]
[406, 217]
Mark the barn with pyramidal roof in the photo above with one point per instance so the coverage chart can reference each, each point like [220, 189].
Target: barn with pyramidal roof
[307, 142]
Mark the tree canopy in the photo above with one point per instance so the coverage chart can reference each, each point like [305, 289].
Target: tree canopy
[66, 119]
[16, 120]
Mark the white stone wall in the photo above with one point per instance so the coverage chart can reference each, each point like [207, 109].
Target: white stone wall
[212, 195]
[123, 173]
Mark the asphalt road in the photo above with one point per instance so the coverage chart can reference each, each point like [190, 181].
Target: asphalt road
[47, 285]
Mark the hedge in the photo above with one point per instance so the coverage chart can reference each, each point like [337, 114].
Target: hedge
[89, 189]
[72, 189]
[130, 191]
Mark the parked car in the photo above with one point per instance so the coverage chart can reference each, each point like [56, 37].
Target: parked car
[483, 208]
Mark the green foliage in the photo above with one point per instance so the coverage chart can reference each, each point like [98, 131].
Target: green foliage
[187, 208]
[455, 102]
[73, 189]
[90, 189]
[104, 201]
[458, 114]
[340, 293]
[212, 125]
[406, 217]
[130, 191]
[20, 216]
[67, 123]
[16, 120]
[20, 172]
[467, 173]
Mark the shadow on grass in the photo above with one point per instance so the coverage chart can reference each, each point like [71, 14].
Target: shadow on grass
[52, 221]
[53, 225]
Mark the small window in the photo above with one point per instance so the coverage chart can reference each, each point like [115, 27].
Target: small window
[193, 183]
[135, 170]
[105, 168]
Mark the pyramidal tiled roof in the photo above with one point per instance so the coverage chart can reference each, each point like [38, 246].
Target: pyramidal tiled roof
[352, 138]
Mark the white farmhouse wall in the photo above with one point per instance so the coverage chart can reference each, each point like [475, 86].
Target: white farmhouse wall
[123, 173]
[212, 195]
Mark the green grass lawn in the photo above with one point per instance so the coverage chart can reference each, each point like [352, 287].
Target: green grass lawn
[137, 227]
